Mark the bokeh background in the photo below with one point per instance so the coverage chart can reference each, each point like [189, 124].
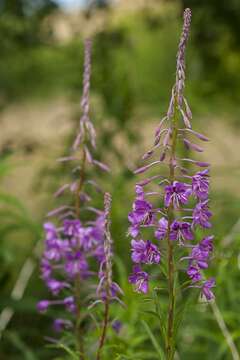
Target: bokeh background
[135, 43]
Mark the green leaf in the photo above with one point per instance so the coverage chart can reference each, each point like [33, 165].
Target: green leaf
[151, 312]
[64, 347]
[21, 346]
[11, 200]
[154, 341]
[159, 312]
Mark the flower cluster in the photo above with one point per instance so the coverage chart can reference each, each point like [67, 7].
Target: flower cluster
[177, 220]
[72, 243]
[66, 255]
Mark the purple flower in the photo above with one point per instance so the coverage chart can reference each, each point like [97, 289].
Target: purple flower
[181, 231]
[53, 250]
[206, 289]
[207, 243]
[87, 241]
[50, 231]
[200, 253]
[161, 231]
[69, 302]
[140, 279]
[90, 237]
[201, 214]
[179, 186]
[75, 264]
[71, 227]
[200, 184]
[56, 286]
[145, 252]
[97, 231]
[194, 274]
[99, 253]
[141, 215]
[199, 257]
[139, 192]
[78, 239]
[113, 291]
[61, 324]
[177, 194]
[46, 269]
[100, 223]
[43, 305]
[117, 326]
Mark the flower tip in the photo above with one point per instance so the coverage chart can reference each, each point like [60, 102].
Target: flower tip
[187, 13]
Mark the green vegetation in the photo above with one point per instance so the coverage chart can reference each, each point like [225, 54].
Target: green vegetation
[133, 69]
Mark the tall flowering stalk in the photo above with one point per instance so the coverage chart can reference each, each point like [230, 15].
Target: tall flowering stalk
[173, 224]
[71, 242]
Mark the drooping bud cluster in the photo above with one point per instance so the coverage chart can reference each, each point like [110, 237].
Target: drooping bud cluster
[71, 242]
[107, 288]
[174, 221]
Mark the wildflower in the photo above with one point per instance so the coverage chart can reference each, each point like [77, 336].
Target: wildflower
[62, 324]
[112, 293]
[139, 192]
[194, 273]
[200, 184]
[71, 227]
[201, 214]
[162, 228]
[43, 305]
[117, 326]
[199, 257]
[206, 289]
[177, 194]
[140, 279]
[207, 243]
[141, 215]
[71, 242]
[46, 269]
[75, 264]
[69, 303]
[53, 250]
[176, 221]
[51, 231]
[145, 252]
[181, 231]
[56, 286]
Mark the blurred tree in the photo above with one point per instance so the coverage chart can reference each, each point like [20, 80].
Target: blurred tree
[98, 3]
[20, 30]
[20, 22]
[222, 15]
[216, 35]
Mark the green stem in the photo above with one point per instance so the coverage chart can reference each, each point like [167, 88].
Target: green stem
[104, 329]
[80, 184]
[170, 346]
[106, 311]
[77, 282]
[78, 327]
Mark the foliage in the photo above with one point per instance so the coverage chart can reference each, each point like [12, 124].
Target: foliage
[132, 69]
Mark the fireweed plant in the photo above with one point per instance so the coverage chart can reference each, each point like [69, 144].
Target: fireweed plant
[185, 209]
[73, 244]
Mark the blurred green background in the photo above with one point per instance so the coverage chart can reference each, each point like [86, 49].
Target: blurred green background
[134, 51]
